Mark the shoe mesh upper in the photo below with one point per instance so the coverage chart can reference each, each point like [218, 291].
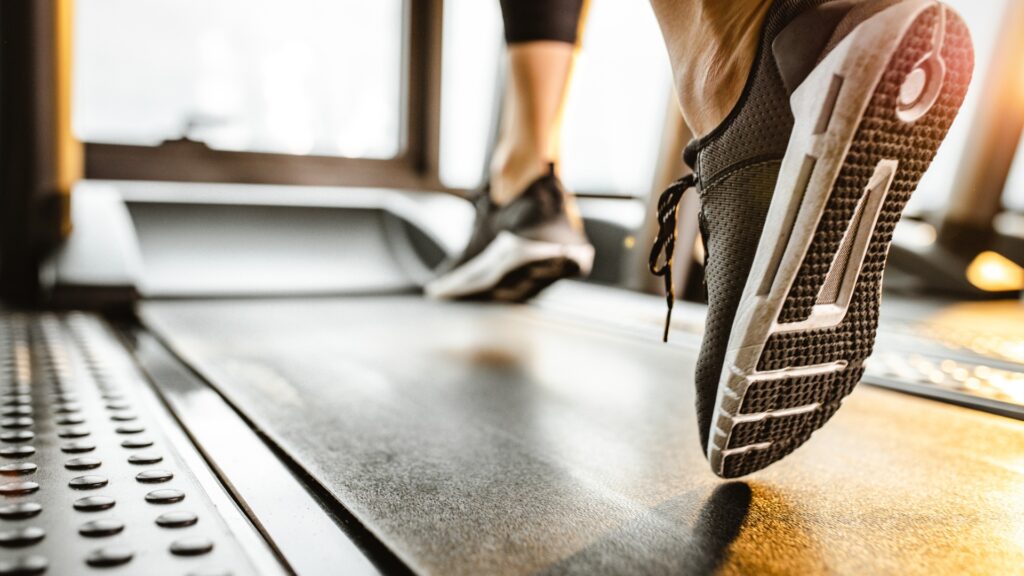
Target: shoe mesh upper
[734, 210]
[737, 166]
[759, 126]
[539, 212]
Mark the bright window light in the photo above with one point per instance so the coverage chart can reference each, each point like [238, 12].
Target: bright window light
[471, 54]
[618, 101]
[1013, 195]
[984, 20]
[619, 95]
[299, 77]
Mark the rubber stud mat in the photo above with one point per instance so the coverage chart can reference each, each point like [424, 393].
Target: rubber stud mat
[89, 482]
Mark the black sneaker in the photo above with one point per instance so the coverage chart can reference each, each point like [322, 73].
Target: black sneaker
[519, 248]
[843, 111]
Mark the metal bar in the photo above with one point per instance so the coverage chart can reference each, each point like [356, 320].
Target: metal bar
[68, 152]
[426, 30]
[184, 161]
[993, 137]
[19, 108]
[302, 527]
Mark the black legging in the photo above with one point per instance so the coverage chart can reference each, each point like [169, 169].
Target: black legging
[529, 20]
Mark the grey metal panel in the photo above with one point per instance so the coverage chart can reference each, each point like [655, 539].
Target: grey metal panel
[174, 240]
[217, 240]
[190, 250]
[500, 439]
[443, 217]
[102, 249]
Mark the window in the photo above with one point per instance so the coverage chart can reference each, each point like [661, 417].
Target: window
[620, 93]
[470, 60]
[1013, 194]
[320, 77]
[984, 20]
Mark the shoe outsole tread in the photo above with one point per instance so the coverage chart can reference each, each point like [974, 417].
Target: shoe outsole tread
[739, 445]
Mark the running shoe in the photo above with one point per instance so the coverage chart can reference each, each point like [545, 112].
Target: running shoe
[519, 248]
[800, 190]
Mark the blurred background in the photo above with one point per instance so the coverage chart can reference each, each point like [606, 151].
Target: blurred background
[216, 219]
[408, 95]
[331, 78]
[115, 107]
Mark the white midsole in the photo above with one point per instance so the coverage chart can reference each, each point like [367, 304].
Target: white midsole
[505, 253]
[781, 413]
[860, 60]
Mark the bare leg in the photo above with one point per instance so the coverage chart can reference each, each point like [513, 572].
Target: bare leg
[711, 44]
[521, 243]
[535, 95]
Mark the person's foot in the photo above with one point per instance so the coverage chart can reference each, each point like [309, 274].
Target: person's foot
[844, 109]
[519, 248]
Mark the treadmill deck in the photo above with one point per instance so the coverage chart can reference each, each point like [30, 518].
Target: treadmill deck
[519, 439]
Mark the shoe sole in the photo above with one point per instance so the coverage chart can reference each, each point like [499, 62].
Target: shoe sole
[513, 269]
[868, 121]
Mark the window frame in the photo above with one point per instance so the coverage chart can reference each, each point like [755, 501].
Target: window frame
[983, 169]
[415, 167]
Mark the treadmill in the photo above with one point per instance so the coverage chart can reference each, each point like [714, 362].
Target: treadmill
[216, 378]
[265, 408]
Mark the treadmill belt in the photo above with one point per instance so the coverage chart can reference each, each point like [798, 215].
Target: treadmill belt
[477, 439]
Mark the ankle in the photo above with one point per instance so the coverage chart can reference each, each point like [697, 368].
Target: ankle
[719, 54]
[512, 174]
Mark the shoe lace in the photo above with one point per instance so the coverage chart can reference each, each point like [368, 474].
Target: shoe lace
[665, 241]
